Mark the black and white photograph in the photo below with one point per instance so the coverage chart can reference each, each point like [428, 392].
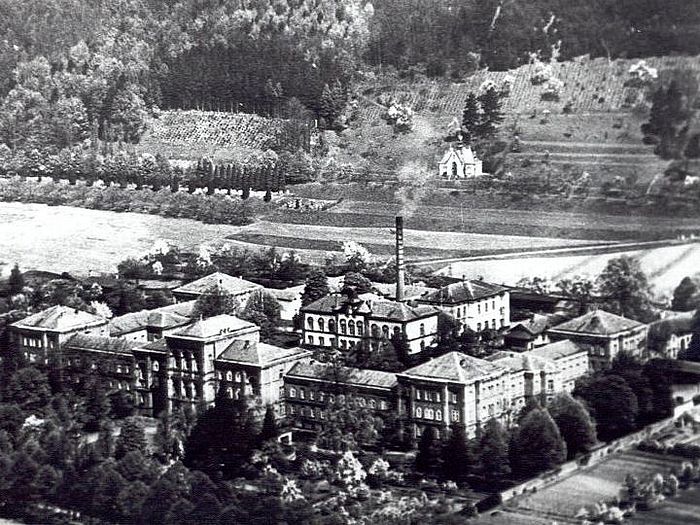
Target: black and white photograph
[349, 262]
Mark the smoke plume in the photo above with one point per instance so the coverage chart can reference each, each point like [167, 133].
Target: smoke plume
[412, 177]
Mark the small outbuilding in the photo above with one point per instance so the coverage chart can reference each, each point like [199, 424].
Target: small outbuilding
[460, 162]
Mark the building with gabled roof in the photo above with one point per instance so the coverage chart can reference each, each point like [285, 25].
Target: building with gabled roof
[454, 389]
[527, 334]
[113, 359]
[38, 335]
[236, 286]
[460, 162]
[314, 389]
[149, 325]
[605, 335]
[476, 304]
[670, 336]
[338, 320]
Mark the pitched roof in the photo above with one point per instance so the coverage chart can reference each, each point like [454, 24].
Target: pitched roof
[521, 361]
[233, 285]
[557, 350]
[101, 344]
[171, 316]
[310, 369]
[256, 353]
[455, 366]
[61, 319]
[463, 292]
[598, 322]
[463, 153]
[411, 291]
[678, 324]
[536, 325]
[159, 345]
[379, 309]
[212, 327]
[287, 294]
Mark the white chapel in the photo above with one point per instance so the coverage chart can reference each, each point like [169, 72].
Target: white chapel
[459, 162]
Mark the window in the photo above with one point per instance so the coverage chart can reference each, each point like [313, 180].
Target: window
[453, 397]
[374, 330]
[331, 399]
[311, 339]
[155, 366]
[437, 396]
[331, 326]
[321, 325]
[360, 328]
[351, 327]
[343, 326]
[310, 322]
[422, 330]
[312, 395]
[397, 331]
[292, 392]
[341, 399]
[321, 341]
[372, 404]
[383, 405]
[302, 393]
[385, 332]
[292, 409]
[422, 346]
[478, 327]
[486, 306]
[429, 414]
[418, 395]
[238, 377]
[438, 415]
[419, 412]
[229, 376]
[343, 344]
[455, 415]
[363, 402]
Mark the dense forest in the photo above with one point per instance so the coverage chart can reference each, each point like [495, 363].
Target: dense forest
[77, 69]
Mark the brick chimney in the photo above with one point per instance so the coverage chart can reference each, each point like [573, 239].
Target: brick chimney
[400, 265]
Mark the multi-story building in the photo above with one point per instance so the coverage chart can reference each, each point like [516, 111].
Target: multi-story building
[527, 334]
[257, 370]
[149, 325]
[531, 378]
[571, 360]
[37, 336]
[453, 389]
[671, 335]
[337, 320]
[476, 304]
[236, 286]
[314, 389]
[605, 335]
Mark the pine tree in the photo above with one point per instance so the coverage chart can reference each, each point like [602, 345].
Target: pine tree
[668, 121]
[269, 425]
[471, 118]
[492, 114]
[16, 280]
[315, 288]
[537, 445]
[131, 438]
[493, 451]
[457, 456]
[574, 423]
[428, 457]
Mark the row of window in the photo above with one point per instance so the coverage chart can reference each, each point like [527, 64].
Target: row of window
[230, 376]
[493, 325]
[436, 415]
[106, 367]
[312, 395]
[427, 395]
[355, 328]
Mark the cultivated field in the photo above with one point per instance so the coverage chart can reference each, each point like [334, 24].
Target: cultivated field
[665, 267]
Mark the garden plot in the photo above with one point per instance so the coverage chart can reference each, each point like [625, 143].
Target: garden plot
[601, 482]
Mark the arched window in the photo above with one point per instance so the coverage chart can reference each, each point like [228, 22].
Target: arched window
[229, 376]
[438, 415]
[310, 322]
[155, 366]
[292, 392]
[374, 330]
[397, 331]
[422, 329]
[360, 328]
[454, 170]
[385, 332]
[331, 326]
[238, 393]
[372, 404]
[419, 412]
[429, 413]
[302, 393]
[343, 326]
[321, 325]
[229, 392]
[238, 377]
[351, 326]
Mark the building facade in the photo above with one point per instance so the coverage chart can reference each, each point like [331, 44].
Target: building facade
[605, 335]
[342, 322]
[236, 286]
[476, 304]
[460, 162]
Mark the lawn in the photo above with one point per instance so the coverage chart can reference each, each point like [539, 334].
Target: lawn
[680, 510]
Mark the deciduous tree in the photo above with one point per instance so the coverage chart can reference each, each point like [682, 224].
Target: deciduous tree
[574, 423]
[537, 445]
